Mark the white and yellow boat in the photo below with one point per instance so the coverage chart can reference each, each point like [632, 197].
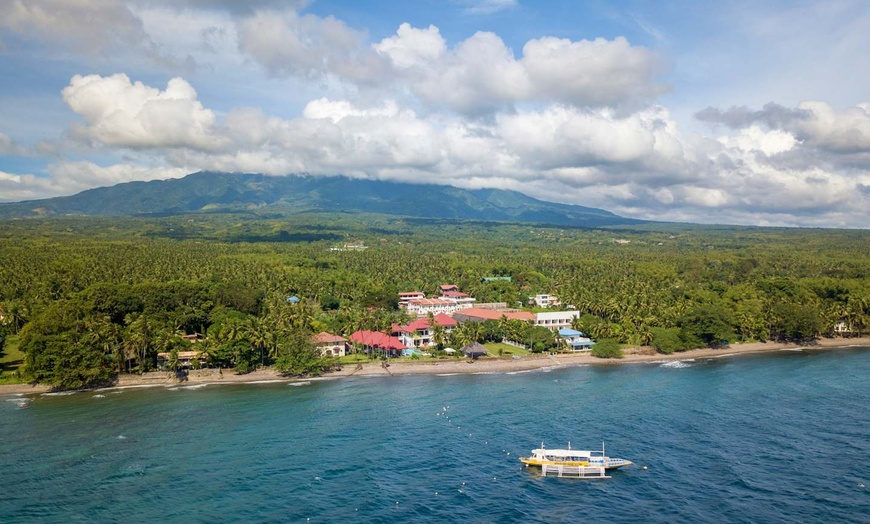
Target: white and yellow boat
[573, 462]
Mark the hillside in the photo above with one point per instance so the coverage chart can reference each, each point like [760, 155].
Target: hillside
[286, 195]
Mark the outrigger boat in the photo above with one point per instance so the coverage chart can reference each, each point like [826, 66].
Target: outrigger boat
[573, 463]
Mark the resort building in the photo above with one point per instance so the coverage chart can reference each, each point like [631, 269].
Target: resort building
[330, 345]
[544, 300]
[375, 341]
[423, 306]
[463, 299]
[419, 333]
[407, 296]
[555, 320]
[575, 339]
[475, 314]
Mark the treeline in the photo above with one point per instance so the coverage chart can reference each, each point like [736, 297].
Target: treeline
[105, 296]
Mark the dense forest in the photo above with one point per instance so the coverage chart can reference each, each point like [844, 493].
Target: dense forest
[89, 298]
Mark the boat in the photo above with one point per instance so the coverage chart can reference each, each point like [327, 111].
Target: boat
[573, 463]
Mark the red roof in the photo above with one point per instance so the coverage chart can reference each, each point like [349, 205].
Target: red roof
[449, 287]
[423, 323]
[454, 294]
[491, 314]
[327, 338]
[376, 339]
[430, 302]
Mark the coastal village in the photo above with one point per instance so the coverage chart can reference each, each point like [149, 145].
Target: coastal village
[435, 319]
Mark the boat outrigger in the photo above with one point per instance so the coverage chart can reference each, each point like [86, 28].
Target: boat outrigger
[573, 463]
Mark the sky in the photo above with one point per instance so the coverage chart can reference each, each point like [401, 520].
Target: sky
[732, 112]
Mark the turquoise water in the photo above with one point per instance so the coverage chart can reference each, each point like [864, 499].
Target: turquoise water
[773, 438]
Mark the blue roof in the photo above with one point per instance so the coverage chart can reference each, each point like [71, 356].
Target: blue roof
[294, 299]
[565, 332]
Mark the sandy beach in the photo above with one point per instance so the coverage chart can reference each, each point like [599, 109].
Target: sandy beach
[455, 366]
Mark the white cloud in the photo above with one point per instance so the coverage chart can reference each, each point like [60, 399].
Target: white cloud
[412, 47]
[288, 43]
[118, 112]
[93, 26]
[481, 74]
[67, 178]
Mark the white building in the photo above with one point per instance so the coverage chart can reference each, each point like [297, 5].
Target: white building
[544, 300]
[423, 306]
[556, 320]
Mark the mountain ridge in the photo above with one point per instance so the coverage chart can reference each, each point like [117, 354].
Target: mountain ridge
[219, 192]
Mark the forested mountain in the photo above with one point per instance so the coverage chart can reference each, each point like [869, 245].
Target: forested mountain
[286, 195]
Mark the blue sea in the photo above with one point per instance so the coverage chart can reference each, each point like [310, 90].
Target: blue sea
[781, 437]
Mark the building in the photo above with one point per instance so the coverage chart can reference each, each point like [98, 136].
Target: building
[575, 339]
[419, 333]
[407, 296]
[555, 320]
[379, 342]
[460, 298]
[544, 300]
[495, 279]
[329, 345]
[423, 306]
[475, 314]
[186, 359]
[448, 287]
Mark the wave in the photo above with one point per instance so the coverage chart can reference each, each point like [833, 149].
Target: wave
[298, 384]
[678, 364]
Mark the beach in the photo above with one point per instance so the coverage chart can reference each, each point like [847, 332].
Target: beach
[456, 366]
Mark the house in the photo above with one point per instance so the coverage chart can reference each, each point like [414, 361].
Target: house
[474, 314]
[329, 345]
[448, 287]
[460, 298]
[495, 279]
[556, 320]
[419, 333]
[186, 359]
[544, 300]
[575, 339]
[377, 341]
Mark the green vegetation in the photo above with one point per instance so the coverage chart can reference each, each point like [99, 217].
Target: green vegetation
[11, 360]
[92, 298]
[607, 348]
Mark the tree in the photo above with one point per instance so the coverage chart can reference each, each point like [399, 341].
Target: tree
[705, 325]
[607, 348]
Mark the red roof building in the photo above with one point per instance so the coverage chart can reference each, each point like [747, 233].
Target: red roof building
[390, 346]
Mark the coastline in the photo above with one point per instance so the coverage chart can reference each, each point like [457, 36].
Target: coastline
[452, 367]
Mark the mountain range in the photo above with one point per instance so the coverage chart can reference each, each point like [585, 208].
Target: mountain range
[214, 192]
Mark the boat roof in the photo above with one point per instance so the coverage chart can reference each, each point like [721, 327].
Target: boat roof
[563, 452]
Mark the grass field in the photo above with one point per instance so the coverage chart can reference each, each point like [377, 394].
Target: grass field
[493, 349]
[11, 361]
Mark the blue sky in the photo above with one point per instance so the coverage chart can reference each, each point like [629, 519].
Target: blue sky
[714, 112]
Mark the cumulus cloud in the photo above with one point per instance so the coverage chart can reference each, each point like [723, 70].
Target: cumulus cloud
[288, 43]
[481, 74]
[811, 134]
[118, 112]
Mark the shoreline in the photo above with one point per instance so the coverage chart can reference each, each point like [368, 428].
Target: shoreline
[450, 367]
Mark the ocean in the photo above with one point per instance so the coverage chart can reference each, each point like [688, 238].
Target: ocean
[779, 437]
